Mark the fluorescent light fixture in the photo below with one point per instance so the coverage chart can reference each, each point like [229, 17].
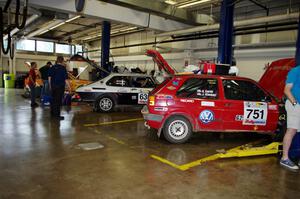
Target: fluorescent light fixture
[123, 30]
[62, 23]
[44, 32]
[73, 18]
[170, 2]
[193, 3]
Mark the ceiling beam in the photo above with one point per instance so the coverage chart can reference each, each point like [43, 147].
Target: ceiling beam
[107, 11]
[159, 8]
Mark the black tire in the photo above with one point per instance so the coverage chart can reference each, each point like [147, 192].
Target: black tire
[182, 127]
[104, 104]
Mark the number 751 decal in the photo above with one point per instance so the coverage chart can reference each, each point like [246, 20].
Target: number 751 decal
[255, 113]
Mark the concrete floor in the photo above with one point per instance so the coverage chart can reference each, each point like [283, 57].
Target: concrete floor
[40, 158]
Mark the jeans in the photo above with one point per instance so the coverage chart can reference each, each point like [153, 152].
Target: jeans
[32, 94]
[45, 89]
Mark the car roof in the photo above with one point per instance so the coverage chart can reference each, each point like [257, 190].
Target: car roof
[129, 74]
[213, 76]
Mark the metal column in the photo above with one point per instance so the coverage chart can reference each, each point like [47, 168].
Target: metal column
[297, 56]
[105, 45]
[226, 32]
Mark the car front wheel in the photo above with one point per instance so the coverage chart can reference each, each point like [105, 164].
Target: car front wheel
[177, 130]
[104, 104]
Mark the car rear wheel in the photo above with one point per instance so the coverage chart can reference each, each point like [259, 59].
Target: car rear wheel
[177, 130]
[104, 104]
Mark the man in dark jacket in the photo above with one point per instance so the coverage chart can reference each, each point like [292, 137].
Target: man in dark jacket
[57, 78]
[44, 74]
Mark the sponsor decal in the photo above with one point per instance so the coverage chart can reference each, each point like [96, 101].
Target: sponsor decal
[160, 108]
[255, 113]
[187, 100]
[272, 107]
[206, 116]
[206, 103]
[87, 89]
[239, 118]
[171, 88]
[175, 83]
[121, 82]
[164, 97]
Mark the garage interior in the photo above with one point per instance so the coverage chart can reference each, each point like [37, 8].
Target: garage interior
[112, 155]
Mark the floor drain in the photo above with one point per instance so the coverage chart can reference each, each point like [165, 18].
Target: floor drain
[90, 146]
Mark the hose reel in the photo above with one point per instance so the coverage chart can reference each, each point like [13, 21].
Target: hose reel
[11, 26]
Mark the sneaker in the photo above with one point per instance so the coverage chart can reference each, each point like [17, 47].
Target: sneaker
[289, 164]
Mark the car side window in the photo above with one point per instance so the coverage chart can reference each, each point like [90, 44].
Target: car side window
[142, 82]
[243, 90]
[122, 81]
[199, 88]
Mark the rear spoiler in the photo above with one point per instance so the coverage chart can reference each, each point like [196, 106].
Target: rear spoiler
[160, 61]
[273, 79]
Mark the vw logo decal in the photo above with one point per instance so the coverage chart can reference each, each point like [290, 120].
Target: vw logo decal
[206, 116]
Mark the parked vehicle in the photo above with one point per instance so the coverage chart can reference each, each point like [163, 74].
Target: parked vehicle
[117, 89]
[194, 103]
[188, 103]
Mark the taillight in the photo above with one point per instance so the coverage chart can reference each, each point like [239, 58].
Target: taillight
[151, 100]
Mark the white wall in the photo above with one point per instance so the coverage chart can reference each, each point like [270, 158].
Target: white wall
[250, 60]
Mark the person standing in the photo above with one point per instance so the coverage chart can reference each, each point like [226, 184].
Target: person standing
[57, 78]
[44, 75]
[32, 83]
[292, 92]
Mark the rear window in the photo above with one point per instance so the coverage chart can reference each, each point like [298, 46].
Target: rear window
[199, 88]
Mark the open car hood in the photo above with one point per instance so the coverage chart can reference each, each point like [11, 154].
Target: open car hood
[273, 80]
[160, 61]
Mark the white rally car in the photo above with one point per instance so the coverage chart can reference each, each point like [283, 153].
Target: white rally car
[117, 89]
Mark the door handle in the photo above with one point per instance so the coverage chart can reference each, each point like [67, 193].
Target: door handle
[227, 105]
[134, 89]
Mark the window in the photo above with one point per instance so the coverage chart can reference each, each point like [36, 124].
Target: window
[243, 90]
[45, 46]
[78, 49]
[199, 88]
[25, 44]
[63, 48]
[122, 81]
[142, 82]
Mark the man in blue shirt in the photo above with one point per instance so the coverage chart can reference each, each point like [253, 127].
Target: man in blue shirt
[292, 92]
[57, 78]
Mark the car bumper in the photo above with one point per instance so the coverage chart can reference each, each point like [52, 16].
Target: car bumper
[152, 120]
[149, 116]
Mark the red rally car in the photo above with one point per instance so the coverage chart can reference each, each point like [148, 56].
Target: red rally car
[193, 103]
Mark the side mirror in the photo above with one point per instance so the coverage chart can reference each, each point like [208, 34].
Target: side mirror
[267, 99]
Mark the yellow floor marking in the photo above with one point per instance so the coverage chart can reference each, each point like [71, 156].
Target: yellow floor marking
[269, 149]
[116, 140]
[115, 122]
[166, 162]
